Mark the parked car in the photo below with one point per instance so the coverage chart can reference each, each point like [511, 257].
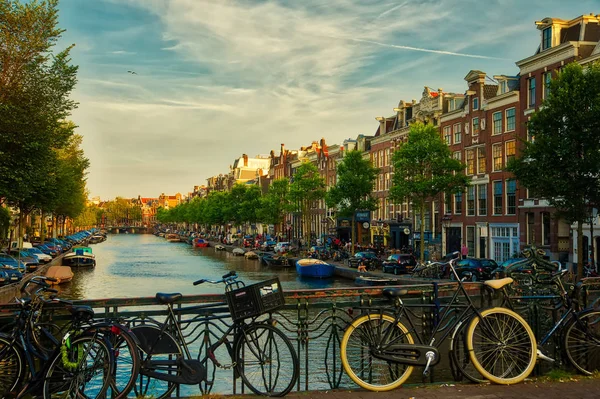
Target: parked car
[10, 274]
[475, 269]
[8, 260]
[42, 257]
[47, 250]
[268, 245]
[248, 242]
[31, 262]
[53, 247]
[370, 258]
[399, 264]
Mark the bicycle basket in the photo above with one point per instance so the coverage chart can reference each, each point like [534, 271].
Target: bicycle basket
[256, 299]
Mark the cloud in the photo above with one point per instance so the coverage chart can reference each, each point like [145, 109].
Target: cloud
[123, 52]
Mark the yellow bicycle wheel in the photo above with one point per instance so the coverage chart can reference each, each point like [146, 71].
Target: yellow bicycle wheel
[360, 338]
[502, 346]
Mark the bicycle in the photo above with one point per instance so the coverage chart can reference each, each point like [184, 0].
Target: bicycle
[81, 365]
[379, 352]
[260, 353]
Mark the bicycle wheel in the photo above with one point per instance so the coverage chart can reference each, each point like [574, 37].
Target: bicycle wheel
[157, 354]
[127, 360]
[460, 357]
[45, 336]
[502, 346]
[266, 360]
[366, 333]
[12, 367]
[582, 342]
[82, 369]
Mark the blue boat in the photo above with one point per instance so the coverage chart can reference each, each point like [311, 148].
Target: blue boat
[314, 268]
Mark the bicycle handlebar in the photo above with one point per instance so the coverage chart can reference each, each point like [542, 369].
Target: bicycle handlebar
[232, 275]
[39, 280]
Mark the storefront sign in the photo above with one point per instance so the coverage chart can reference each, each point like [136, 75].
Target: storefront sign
[363, 216]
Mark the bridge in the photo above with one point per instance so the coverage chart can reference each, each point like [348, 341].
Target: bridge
[130, 230]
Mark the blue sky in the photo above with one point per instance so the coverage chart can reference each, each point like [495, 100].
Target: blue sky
[216, 79]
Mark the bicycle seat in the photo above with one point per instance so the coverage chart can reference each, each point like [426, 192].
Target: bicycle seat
[82, 313]
[394, 292]
[497, 284]
[168, 298]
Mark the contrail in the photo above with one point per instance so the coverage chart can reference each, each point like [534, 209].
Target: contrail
[391, 9]
[426, 50]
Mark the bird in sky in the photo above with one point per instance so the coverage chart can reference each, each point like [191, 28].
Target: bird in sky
[132, 72]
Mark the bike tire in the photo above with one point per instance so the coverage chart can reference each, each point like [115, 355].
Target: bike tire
[582, 342]
[370, 331]
[266, 347]
[460, 357]
[150, 387]
[488, 340]
[59, 376]
[45, 336]
[12, 364]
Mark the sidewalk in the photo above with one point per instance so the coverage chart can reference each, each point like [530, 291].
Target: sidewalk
[586, 388]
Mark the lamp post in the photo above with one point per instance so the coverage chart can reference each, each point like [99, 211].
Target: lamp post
[446, 222]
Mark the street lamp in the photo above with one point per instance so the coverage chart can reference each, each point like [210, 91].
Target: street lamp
[446, 222]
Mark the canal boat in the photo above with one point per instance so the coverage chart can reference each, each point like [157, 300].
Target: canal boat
[375, 281]
[200, 243]
[80, 257]
[96, 239]
[251, 255]
[219, 247]
[238, 252]
[315, 268]
[172, 237]
[62, 274]
[276, 261]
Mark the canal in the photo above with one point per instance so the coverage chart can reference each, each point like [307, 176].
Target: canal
[138, 265]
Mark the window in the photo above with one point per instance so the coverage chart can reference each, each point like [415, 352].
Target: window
[481, 160]
[511, 197]
[545, 228]
[547, 79]
[530, 228]
[531, 92]
[471, 201]
[547, 38]
[510, 119]
[456, 155]
[503, 87]
[510, 150]
[497, 157]
[475, 104]
[381, 182]
[447, 135]
[451, 104]
[497, 120]
[458, 200]
[447, 203]
[471, 240]
[457, 133]
[475, 122]
[470, 162]
[497, 198]
[387, 181]
[482, 199]
[387, 156]
[380, 158]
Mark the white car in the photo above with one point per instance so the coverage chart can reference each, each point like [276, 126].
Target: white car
[281, 247]
[41, 257]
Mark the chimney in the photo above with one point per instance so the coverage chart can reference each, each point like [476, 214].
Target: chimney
[245, 159]
[282, 148]
[381, 121]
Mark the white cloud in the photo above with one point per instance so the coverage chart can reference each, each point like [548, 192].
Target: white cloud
[123, 52]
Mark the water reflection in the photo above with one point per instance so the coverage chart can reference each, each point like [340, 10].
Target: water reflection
[132, 265]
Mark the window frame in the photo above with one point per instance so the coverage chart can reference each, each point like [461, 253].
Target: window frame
[498, 196]
[496, 157]
[531, 91]
[471, 200]
[457, 133]
[448, 134]
[475, 103]
[513, 117]
[475, 122]
[514, 195]
[482, 199]
[470, 161]
[496, 122]
[481, 159]
[546, 78]
[458, 204]
[513, 145]
[547, 38]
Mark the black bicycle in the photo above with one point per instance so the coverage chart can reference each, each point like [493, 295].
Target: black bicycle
[81, 365]
[260, 353]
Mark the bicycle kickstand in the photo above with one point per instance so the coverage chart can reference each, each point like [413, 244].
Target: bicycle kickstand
[540, 355]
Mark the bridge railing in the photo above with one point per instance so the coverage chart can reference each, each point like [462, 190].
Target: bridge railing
[315, 321]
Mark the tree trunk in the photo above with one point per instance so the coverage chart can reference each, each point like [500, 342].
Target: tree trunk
[43, 226]
[592, 249]
[353, 235]
[422, 246]
[579, 250]
[20, 230]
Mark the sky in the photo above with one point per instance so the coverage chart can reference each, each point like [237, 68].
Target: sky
[217, 79]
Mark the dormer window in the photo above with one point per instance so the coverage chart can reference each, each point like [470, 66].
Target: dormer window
[451, 104]
[547, 38]
[503, 86]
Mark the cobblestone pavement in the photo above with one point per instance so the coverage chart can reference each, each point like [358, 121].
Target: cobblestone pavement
[582, 389]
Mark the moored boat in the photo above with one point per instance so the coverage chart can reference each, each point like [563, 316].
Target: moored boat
[62, 274]
[314, 268]
[219, 247]
[200, 243]
[238, 252]
[171, 237]
[276, 261]
[80, 257]
[375, 281]
[250, 255]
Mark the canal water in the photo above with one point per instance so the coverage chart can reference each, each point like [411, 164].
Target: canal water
[140, 265]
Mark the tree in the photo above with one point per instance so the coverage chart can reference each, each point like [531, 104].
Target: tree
[306, 187]
[275, 203]
[562, 163]
[423, 169]
[352, 191]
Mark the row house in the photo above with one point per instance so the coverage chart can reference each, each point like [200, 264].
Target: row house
[169, 201]
[561, 42]
[481, 129]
